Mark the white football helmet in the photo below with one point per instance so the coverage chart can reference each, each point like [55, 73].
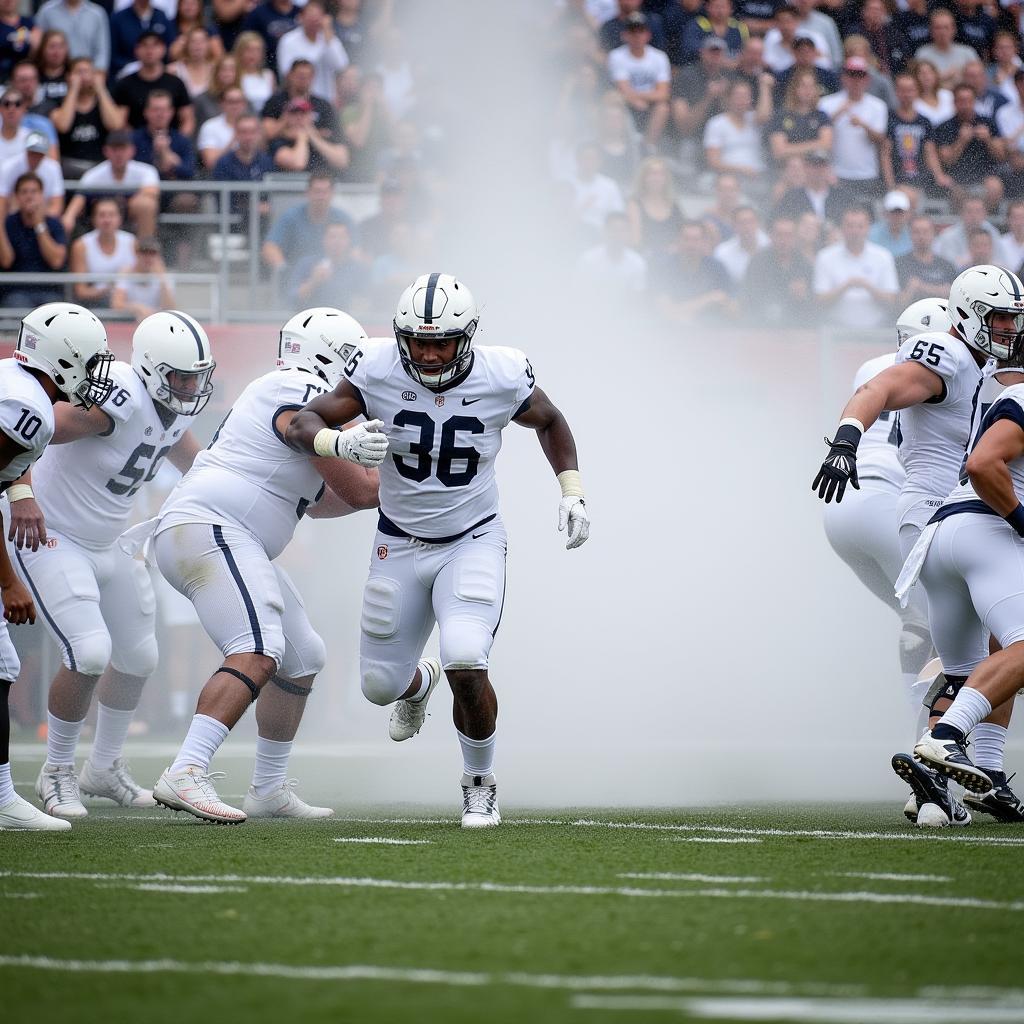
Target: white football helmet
[172, 355]
[436, 307]
[69, 345]
[321, 340]
[923, 315]
[975, 295]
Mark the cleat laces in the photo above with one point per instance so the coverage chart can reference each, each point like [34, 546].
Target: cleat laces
[65, 785]
[479, 799]
[125, 780]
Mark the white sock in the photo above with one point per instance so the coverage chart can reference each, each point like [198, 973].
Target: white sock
[969, 708]
[271, 768]
[205, 735]
[7, 793]
[111, 731]
[61, 739]
[989, 743]
[477, 755]
[424, 684]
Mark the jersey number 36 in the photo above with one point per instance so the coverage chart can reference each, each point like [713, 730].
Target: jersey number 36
[448, 453]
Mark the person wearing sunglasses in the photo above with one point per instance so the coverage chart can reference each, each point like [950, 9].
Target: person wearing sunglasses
[13, 134]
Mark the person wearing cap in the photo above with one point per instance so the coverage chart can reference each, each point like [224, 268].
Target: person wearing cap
[313, 39]
[889, 45]
[299, 231]
[805, 57]
[859, 122]
[922, 274]
[36, 161]
[131, 91]
[780, 42]
[892, 232]
[642, 74]
[85, 26]
[799, 127]
[948, 56]
[910, 159]
[699, 89]
[717, 20]
[297, 85]
[127, 26]
[85, 117]
[155, 292]
[611, 34]
[31, 243]
[971, 149]
[819, 194]
[300, 147]
[218, 133]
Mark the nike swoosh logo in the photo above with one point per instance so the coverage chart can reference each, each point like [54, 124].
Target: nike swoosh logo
[477, 536]
[470, 401]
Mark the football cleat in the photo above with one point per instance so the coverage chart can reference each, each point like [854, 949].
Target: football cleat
[949, 756]
[191, 790]
[20, 816]
[114, 783]
[57, 788]
[408, 715]
[934, 805]
[480, 802]
[1000, 801]
[910, 808]
[282, 802]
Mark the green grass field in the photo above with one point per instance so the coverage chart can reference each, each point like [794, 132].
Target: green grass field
[789, 913]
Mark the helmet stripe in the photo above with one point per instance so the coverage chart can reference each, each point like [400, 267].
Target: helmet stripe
[195, 334]
[428, 302]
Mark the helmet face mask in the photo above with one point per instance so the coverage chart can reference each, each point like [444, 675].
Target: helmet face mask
[434, 375]
[976, 297]
[185, 392]
[1002, 344]
[98, 384]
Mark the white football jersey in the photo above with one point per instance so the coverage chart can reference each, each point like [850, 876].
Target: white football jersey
[26, 417]
[934, 435]
[87, 488]
[248, 476]
[878, 454]
[438, 478]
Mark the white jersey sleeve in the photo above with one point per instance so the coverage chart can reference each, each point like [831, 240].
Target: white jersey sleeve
[944, 355]
[26, 417]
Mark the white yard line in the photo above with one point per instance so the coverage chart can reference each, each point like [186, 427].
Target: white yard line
[886, 876]
[914, 899]
[670, 876]
[164, 887]
[385, 841]
[708, 839]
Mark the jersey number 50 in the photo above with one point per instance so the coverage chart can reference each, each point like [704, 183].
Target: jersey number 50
[448, 453]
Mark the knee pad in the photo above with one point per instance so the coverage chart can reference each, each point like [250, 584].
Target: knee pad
[945, 687]
[306, 658]
[915, 646]
[140, 661]
[383, 683]
[465, 643]
[382, 608]
[88, 654]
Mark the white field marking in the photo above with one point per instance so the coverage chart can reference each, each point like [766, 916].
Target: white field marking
[705, 839]
[916, 899]
[819, 1011]
[23, 895]
[385, 841]
[886, 876]
[669, 876]
[202, 889]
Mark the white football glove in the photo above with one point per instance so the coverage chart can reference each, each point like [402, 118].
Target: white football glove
[572, 512]
[364, 444]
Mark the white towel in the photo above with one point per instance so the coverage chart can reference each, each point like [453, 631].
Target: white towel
[136, 539]
[911, 570]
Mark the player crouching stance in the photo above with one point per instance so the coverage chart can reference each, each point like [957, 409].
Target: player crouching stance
[215, 541]
[61, 355]
[96, 601]
[439, 553]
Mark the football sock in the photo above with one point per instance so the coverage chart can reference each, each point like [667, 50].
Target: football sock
[205, 735]
[989, 743]
[477, 755]
[271, 767]
[111, 731]
[424, 685]
[969, 708]
[61, 739]
[7, 793]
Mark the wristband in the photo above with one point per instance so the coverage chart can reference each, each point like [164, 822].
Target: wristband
[40, 227]
[18, 492]
[850, 431]
[1016, 519]
[569, 481]
[325, 442]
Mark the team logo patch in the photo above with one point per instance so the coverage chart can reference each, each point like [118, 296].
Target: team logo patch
[20, 356]
[346, 351]
[439, 401]
[408, 396]
[149, 430]
[51, 542]
[382, 551]
[294, 347]
[30, 340]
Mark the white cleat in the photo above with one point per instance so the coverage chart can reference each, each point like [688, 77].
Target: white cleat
[910, 808]
[57, 788]
[407, 716]
[191, 790]
[20, 816]
[115, 784]
[282, 802]
[480, 802]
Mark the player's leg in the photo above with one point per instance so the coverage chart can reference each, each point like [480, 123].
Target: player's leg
[227, 576]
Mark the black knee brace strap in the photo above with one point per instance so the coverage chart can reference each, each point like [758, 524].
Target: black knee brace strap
[945, 687]
[253, 688]
[289, 687]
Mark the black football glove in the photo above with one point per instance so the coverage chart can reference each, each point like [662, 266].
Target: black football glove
[840, 465]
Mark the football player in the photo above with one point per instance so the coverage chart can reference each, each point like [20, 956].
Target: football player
[215, 541]
[439, 406]
[96, 602]
[61, 355]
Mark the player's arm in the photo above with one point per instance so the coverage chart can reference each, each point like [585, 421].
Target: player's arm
[313, 429]
[72, 423]
[184, 452]
[559, 447]
[17, 601]
[898, 387]
[989, 471]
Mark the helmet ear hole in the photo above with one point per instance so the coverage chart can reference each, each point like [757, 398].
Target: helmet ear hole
[64, 364]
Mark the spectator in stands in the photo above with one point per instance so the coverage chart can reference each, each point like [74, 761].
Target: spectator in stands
[19, 37]
[733, 140]
[717, 20]
[878, 84]
[612, 269]
[353, 28]
[144, 297]
[1011, 245]
[691, 285]
[299, 145]
[84, 25]
[804, 56]
[217, 135]
[363, 125]
[190, 15]
[53, 62]
[777, 285]
[298, 85]
[131, 91]
[246, 160]
[135, 184]
[257, 80]
[820, 195]
[620, 149]
[271, 20]
[300, 230]
[170, 152]
[612, 33]
[952, 244]
[728, 199]
[642, 74]
[375, 231]
[890, 47]
[748, 238]
[225, 76]
[947, 56]
[397, 78]
[910, 158]
[676, 16]
[1005, 64]
[699, 89]
[104, 250]
[922, 274]
[975, 27]
[980, 250]
[780, 42]
[654, 217]
[757, 15]
[196, 65]
[128, 24]
[84, 119]
[988, 100]
[971, 149]
[596, 195]
[819, 23]
[1010, 122]
[750, 65]
[855, 280]
[33, 160]
[25, 81]
[792, 175]
[914, 21]
[313, 39]
[799, 127]
[892, 232]
[335, 278]
[810, 235]
[13, 134]
[31, 243]
[859, 123]
[933, 102]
